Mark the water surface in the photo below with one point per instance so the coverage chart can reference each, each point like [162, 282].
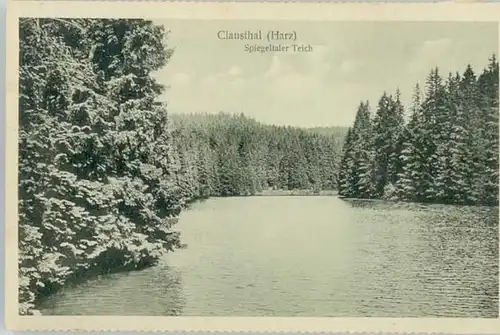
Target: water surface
[310, 256]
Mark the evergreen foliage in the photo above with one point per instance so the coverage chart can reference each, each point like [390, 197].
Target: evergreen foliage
[227, 155]
[446, 153]
[97, 190]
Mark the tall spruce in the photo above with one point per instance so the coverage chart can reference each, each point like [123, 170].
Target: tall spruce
[409, 185]
[346, 166]
[387, 128]
[488, 85]
[357, 179]
[447, 179]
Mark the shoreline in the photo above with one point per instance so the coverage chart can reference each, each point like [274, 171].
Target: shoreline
[430, 203]
[271, 193]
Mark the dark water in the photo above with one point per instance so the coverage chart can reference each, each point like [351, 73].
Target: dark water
[310, 256]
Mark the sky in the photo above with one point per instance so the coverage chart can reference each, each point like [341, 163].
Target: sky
[350, 62]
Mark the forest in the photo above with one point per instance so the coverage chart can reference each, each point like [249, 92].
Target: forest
[228, 155]
[104, 170]
[447, 152]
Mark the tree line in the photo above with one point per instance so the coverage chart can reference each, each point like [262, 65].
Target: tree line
[104, 171]
[230, 155]
[446, 153]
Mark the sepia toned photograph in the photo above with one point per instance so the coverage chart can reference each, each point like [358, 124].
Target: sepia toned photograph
[257, 168]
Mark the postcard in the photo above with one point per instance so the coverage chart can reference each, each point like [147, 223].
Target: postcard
[252, 167]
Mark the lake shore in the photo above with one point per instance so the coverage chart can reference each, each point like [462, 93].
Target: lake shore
[274, 193]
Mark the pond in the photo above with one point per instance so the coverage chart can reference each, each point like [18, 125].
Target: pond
[310, 256]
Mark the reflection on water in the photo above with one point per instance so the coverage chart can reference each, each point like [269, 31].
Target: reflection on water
[311, 256]
[151, 292]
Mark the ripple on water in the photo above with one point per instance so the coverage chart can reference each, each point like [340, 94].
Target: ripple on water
[311, 256]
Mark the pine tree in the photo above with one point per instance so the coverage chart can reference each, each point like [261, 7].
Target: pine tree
[434, 112]
[387, 125]
[396, 139]
[346, 165]
[470, 153]
[488, 84]
[409, 185]
[357, 165]
[447, 179]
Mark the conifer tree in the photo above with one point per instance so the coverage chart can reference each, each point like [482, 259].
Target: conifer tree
[357, 165]
[410, 179]
[387, 128]
[447, 179]
[488, 85]
[94, 151]
[346, 166]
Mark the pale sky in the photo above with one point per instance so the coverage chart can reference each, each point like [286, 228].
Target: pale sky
[350, 62]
